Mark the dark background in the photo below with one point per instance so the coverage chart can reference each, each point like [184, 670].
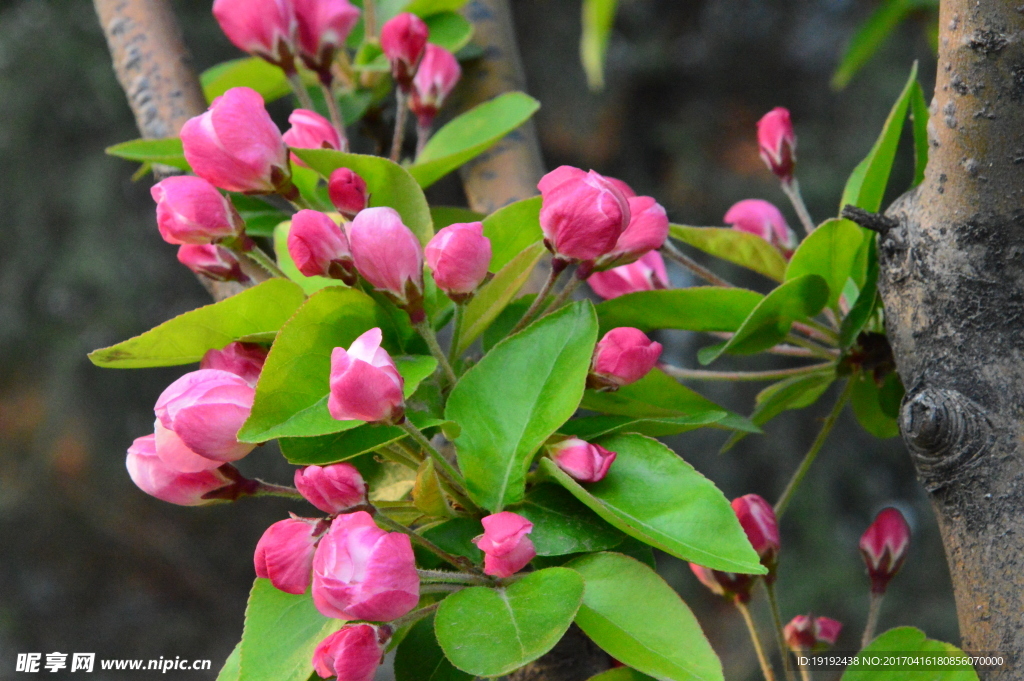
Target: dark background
[90, 564]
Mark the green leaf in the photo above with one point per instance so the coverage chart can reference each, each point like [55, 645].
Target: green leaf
[231, 670]
[919, 117]
[655, 396]
[598, 18]
[420, 658]
[590, 427]
[281, 632]
[421, 8]
[260, 217]
[867, 301]
[911, 642]
[869, 37]
[456, 537]
[490, 632]
[167, 151]
[738, 247]
[284, 260]
[389, 185]
[652, 494]
[516, 397]
[512, 229]
[793, 393]
[769, 322]
[449, 30]
[470, 134]
[866, 186]
[562, 525]
[640, 620]
[830, 251]
[867, 400]
[496, 294]
[187, 337]
[348, 444]
[252, 72]
[449, 215]
[621, 674]
[699, 308]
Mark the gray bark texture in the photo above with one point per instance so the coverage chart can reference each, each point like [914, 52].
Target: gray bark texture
[952, 282]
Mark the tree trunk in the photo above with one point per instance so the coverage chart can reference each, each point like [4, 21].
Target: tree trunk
[952, 281]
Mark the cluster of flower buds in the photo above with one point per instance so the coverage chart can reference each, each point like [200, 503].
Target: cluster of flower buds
[646, 274]
[757, 518]
[884, 546]
[505, 542]
[763, 219]
[185, 461]
[280, 30]
[581, 460]
[807, 632]
[623, 356]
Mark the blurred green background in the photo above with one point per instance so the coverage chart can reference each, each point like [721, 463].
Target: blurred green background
[90, 564]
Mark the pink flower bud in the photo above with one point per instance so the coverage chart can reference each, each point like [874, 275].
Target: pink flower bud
[235, 145]
[647, 231]
[319, 247]
[206, 409]
[806, 632]
[582, 460]
[333, 488]
[264, 28]
[646, 274]
[506, 547]
[155, 478]
[582, 214]
[352, 653]
[763, 219]
[242, 359]
[884, 546]
[310, 130]
[176, 455]
[361, 572]
[459, 255]
[436, 77]
[623, 356]
[777, 142]
[284, 554]
[348, 192]
[323, 27]
[388, 254]
[732, 586]
[213, 261]
[190, 210]
[757, 518]
[404, 40]
[365, 384]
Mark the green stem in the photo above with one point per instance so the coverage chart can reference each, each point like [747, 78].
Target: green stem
[446, 469]
[370, 19]
[557, 267]
[814, 348]
[674, 254]
[458, 561]
[414, 616]
[401, 114]
[873, 611]
[257, 255]
[817, 331]
[766, 667]
[453, 349]
[805, 673]
[562, 297]
[427, 331]
[399, 456]
[422, 136]
[301, 93]
[792, 191]
[780, 636]
[335, 113]
[269, 489]
[441, 588]
[702, 375]
[812, 453]
[446, 577]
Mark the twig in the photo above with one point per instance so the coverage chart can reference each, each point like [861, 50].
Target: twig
[876, 222]
[702, 375]
[677, 256]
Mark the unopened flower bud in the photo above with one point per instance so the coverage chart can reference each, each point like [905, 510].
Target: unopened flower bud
[319, 247]
[806, 632]
[458, 256]
[506, 546]
[348, 192]
[206, 409]
[236, 146]
[884, 547]
[333, 488]
[647, 231]
[352, 653]
[757, 518]
[435, 78]
[763, 219]
[213, 261]
[362, 572]
[157, 479]
[646, 274]
[190, 210]
[777, 143]
[389, 256]
[284, 554]
[365, 384]
[582, 214]
[403, 39]
[310, 130]
[730, 585]
[583, 461]
[323, 28]
[623, 356]
[264, 28]
[242, 359]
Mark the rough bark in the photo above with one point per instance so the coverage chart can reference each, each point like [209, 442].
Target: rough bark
[953, 287]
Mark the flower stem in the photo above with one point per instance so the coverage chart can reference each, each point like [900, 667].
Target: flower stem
[335, 113]
[399, 456]
[370, 18]
[257, 255]
[557, 267]
[446, 577]
[453, 349]
[427, 331]
[792, 191]
[414, 616]
[814, 348]
[445, 468]
[562, 297]
[812, 453]
[674, 254]
[440, 588]
[401, 113]
[766, 667]
[422, 136]
[817, 331]
[780, 637]
[805, 673]
[702, 375]
[873, 611]
[305, 101]
[269, 489]
[458, 561]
